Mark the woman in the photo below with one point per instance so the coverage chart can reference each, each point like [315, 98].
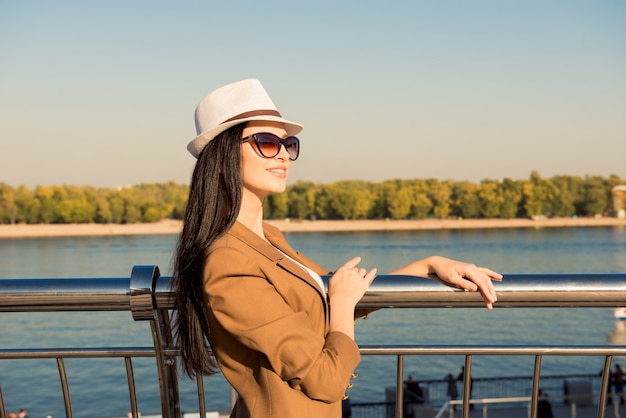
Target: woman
[284, 344]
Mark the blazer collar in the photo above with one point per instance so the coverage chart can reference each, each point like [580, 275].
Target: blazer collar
[269, 250]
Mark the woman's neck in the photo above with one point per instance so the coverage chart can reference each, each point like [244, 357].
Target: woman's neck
[251, 214]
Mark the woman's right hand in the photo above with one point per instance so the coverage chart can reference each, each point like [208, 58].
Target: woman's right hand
[350, 282]
[345, 289]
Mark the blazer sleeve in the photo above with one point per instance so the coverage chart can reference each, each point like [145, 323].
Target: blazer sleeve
[248, 306]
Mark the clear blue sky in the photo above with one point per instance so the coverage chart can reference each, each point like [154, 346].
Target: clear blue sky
[103, 93]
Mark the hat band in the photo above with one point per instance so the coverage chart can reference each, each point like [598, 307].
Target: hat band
[252, 113]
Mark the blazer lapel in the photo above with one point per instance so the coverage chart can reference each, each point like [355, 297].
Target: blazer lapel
[270, 251]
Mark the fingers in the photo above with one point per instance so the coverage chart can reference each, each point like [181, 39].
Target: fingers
[490, 296]
[350, 282]
[370, 276]
[492, 274]
[481, 279]
[350, 264]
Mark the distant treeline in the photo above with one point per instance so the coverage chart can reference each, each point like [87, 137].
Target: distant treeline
[73, 204]
[559, 196]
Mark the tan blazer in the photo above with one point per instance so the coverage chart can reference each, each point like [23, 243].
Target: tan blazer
[269, 329]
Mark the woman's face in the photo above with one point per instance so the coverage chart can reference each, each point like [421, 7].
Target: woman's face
[262, 175]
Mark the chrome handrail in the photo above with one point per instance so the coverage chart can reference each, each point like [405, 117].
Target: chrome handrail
[387, 291]
[148, 297]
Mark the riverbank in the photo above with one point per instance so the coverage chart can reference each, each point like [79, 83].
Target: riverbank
[168, 227]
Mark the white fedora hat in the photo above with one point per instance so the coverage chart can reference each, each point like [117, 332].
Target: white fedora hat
[230, 105]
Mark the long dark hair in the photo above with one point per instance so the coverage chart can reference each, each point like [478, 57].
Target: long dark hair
[212, 208]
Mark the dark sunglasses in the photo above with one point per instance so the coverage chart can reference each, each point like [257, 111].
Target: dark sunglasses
[269, 144]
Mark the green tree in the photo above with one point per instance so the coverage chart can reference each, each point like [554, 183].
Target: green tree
[400, 203]
[490, 199]
[421, 204]
[75, 207]
[399, 199]
[596, 196]
[342, 200]
[441, 193]
[511, 192]
[47, 204]
[301, 196]
[147, 201]
[276, 206]
[384, 192]
[8, 210]
[131, 205]
[152, 213]
[535, 195]
[175, 196]
[116, 206]
[566, 191]
[104, 215]
[27, 205]
[350, 199]
[466, 199]
[323, 208]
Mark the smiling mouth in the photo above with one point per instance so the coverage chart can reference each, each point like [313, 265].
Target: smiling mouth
[278, 170]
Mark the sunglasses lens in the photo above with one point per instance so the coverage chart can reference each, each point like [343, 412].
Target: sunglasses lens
[292, 145]
[269, 145]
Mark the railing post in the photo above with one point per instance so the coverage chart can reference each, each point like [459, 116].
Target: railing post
[534, 399]
[65, 387]
[400, 387]
[143, 282]
[606, 377]
[2, 411]
[130, 376]
[467, 385]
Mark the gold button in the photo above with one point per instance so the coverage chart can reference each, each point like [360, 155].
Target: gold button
[345, 397]
[354, 376]
[350, 386]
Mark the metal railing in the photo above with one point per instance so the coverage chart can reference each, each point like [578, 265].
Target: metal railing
[147, 296]
[447, 410]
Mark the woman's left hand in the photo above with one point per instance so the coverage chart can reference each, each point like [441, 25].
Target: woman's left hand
[458, 274]
[466, 276]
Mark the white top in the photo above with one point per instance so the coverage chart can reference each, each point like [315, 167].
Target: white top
[313, 274]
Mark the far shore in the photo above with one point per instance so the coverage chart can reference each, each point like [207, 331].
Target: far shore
[170, 227]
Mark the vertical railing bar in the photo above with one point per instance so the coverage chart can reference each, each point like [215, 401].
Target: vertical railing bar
[142, 289]
[130, 376]
[604, 385]
[467, 385]
[3, 411]
[201, 400]
[534, 397]
[167, 374]
[400, 387]
[65, 387]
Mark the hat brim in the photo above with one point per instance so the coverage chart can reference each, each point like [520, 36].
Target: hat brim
[196, 145]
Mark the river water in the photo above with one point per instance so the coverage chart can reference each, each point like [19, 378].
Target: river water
[99, 387]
